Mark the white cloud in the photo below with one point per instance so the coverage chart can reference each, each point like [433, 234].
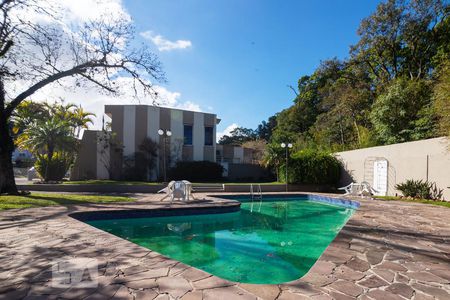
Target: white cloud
[226, 131]
[164, 44]
[91, 98]
[70, 11]
[88, 9]
[167, 98]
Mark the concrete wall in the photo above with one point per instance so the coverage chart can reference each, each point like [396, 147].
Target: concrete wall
[425, 159]
[235, 154]
[89, 163]
[247, 172]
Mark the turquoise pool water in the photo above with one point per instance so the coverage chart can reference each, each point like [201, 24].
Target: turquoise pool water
[271, 242]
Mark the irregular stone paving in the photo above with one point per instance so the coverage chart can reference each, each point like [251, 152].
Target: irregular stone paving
[387, 250]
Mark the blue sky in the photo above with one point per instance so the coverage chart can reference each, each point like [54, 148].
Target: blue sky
[236, 57]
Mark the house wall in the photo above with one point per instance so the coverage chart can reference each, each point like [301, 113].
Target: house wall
[177, 128]
[129, 130]
[88, 164]
[198, 136]
[425, 160]
[235, 154]
[132, 123]
[103, 155]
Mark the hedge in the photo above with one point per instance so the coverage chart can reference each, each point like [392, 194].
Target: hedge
[55, 169]
[312, 167]
[196, 171]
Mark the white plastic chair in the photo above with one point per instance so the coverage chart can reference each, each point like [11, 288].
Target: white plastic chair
[358, 189]
[178, 191]
[350, 189]
[367, 189]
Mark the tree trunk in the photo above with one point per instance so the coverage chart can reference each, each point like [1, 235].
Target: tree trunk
[357, 132]
[7, 182]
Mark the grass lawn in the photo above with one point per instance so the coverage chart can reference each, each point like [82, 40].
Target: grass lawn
[40, 199]
[111, 182]
[424, 201]
[117, 182]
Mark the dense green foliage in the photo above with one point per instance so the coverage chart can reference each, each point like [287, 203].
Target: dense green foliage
[55, 168]
[394, 87]
[196, 171]
[420, 189]
[49, 132]
[442, 98]
[404, 112]
[311, 167]
[238, 136]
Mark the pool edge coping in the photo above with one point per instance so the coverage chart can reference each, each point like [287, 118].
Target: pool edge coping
[231, 205]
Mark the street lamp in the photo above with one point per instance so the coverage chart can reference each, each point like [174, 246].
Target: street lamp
[165, 135]
[286, 146]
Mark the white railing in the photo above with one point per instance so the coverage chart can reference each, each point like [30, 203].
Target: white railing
[256, 193]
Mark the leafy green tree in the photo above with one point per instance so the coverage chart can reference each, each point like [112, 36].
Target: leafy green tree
[44, 53]
[80, 119]
[400, 39]
[404, 112]
[443, 45]
[273, 157]
[238, 136]
[345, 103]
[442, 98]
[383, 93]
[26, 113]
[140, 164]
[47, 138]
[48, 129]
[264, 130]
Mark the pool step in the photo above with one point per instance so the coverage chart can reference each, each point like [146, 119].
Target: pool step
[208, 188]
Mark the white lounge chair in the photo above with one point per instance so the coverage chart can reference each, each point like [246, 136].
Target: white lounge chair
[177, 190]
[367, 189]
[349, 189]
[358, 189]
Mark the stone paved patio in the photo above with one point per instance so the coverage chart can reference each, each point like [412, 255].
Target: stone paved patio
[388, 250]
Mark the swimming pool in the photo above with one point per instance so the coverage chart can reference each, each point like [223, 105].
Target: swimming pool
[271, 241]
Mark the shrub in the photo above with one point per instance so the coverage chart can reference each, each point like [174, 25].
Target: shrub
[54, 169]
[196, 171]
[420, 189]
[137, 167]
[312, 167]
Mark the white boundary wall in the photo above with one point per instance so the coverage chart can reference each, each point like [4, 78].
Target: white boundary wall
[425, 159]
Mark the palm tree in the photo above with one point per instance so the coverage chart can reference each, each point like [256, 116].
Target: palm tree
[27, 112]
[272, 158]
[47, 137]
[50, 132]
[53, 144]
[80, 119]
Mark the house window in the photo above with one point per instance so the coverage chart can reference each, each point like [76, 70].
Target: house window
[209, 136]
[188, 134]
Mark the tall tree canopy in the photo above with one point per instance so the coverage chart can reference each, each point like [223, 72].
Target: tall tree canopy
[392, 88]
[37, 48]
